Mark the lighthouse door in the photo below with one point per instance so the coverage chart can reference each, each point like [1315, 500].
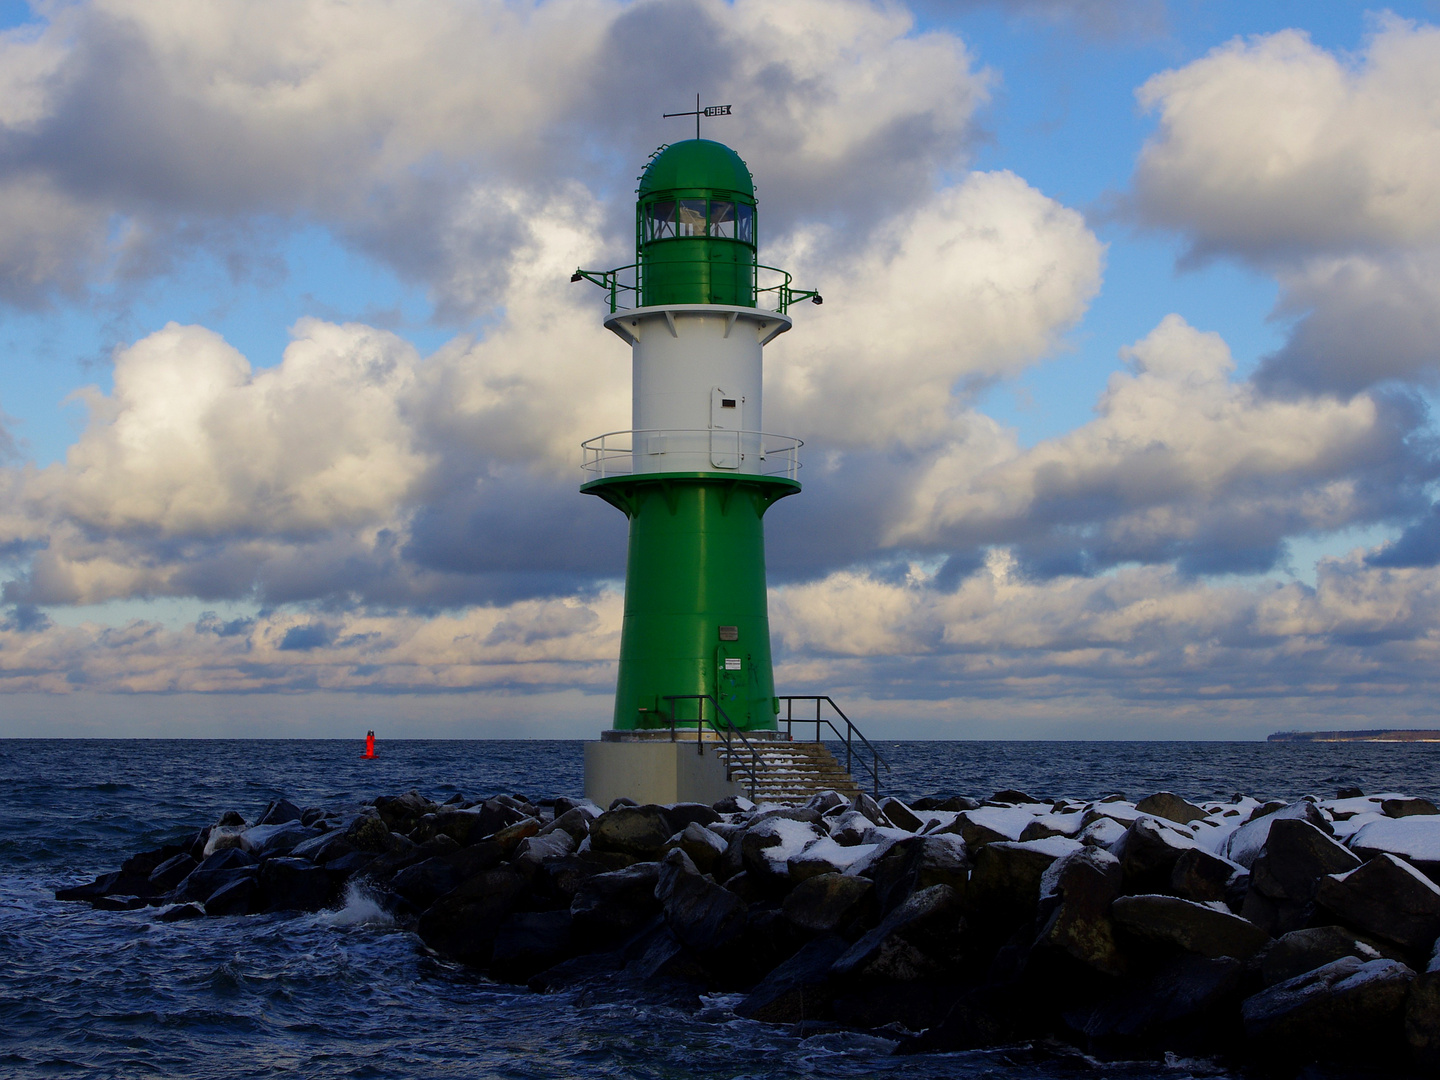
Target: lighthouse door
[727, 420]
[732, 680]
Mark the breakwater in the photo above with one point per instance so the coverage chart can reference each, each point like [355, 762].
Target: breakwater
[1274, 932]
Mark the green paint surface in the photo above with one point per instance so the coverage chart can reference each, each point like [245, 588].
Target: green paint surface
[697, 163]
[696, 562]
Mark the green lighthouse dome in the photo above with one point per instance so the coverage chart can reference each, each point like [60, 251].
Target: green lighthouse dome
[695, 236]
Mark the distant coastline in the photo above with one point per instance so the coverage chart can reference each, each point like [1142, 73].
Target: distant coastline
[1381, 735]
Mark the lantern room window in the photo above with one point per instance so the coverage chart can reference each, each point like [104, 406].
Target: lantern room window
[690, 218]
[660, 221]
[745, 223]
[722, 219]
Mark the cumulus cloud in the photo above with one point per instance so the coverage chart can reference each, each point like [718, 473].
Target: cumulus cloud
[1327, 186]
[132, 131]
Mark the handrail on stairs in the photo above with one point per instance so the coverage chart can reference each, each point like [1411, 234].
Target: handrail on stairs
[723, 734]
[850, 729]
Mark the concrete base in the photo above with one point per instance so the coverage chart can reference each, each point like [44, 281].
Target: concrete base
[652, 770]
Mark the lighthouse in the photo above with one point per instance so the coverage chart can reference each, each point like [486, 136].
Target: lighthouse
[695, 476]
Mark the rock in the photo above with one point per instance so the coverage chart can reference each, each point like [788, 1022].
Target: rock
[1385, 898]
[463, 923]
[825, 856]
[181, 913]
[745, 887]
[702, 915]
[639, 831]
[608, 908]
[510, 837]
[702, 846]
[1414, 838]
[263, 841]
[1348, 1010]
[536, 849]
[562, 877]
[279, 812]
[800, 988]
[1004, 887]
[919, 939]
[831, 903]
[217, 870]
[1422, 1014]
[222, 838]
[1171, 807]
[1247, 842]
[462, 826]
[1305, 950]
[1200, 876]
[864, 804]
[495, 814]
[119, 903]
[529, 942]
[171, 872]
[767, 847]
[402, 813]
[1101, 832]
[574, 822]
[368, 832]
[1082, 886]
[686, 813]
[917, 863]
[1350, 793]
[1148, 852]
[424, 882]
[349, 865]
[1399, 808]
[825, 801]
[900, 815]
[238, 897]
[1187, 1005]
[290, 884]
[324, 848]
[1014, 797]
[1184, 924]
[1296, 856]
[733, 804]
[850, 828]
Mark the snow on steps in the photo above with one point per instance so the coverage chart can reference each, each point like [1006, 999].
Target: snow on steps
[791, 772]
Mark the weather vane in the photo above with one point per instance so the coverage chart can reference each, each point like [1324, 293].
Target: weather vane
[708, 110]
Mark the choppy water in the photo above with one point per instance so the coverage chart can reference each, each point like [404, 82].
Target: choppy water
[94, 994]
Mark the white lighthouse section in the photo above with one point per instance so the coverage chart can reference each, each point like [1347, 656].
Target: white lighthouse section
[698, 374]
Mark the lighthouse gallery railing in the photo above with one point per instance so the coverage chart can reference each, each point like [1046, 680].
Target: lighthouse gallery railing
[614, 453]
[623, 286]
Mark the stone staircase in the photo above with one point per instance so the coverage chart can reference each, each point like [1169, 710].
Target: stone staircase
[790, 772]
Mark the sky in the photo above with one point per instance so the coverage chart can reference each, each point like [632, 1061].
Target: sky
[1119, 415]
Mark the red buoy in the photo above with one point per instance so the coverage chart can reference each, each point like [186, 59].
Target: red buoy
[370, 744]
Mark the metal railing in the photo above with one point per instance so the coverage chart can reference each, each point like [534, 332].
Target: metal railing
[623, 281]
[779, 454]
[850, 733]
[726, 735]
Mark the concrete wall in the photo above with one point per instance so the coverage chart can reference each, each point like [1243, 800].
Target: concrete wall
[655, 772]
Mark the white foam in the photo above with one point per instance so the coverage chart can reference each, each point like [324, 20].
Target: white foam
[360, 908]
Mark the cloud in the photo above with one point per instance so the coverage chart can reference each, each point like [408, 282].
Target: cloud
[1180, 463]
[133, 132]
[1327, 186]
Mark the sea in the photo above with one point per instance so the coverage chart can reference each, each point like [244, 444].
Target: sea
[346, 993]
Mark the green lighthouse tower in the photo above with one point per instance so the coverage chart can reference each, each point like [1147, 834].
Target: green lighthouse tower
[697, 472]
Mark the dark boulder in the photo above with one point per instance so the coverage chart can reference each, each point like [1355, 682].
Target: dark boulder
[1171, 807]
[512, 836]
[1422, 1014]
[424, 882]
[496, 814]
[462, 826]
[922, 938]
[767, 846]
[638, 831]
[181, 913]
[1296, 856]
[368, 832]
[900, 815]
[401, 813]
[1081, 887]
[562, 877]
[1349, 1010]
[702, 846]
[1004, 887]
[171, 872]
[264, 841]
[831, 903]
[463, 923]
[1188, 926]
[218, 870]
[686, 813]
[1398, 808]
[1305, 950]
[608, 908]
[1247, 842]
[1385, 898]
[1188, 1005]
[798, 989]
[529, 942]
[240, 897]
[290, 884]
[574, 822]
[1013, 797]
[325, 848]
[1200, 876]
[279, 812]
[1148, 852]
[702, 915]
[119, 903]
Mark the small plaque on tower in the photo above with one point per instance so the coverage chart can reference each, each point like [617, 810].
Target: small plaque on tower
[729, 633]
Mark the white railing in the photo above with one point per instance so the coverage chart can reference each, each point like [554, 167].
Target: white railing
[692, 450]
